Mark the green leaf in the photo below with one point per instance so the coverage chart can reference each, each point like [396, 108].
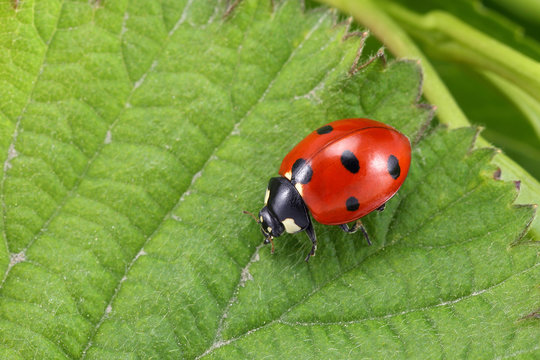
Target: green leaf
[135, 133]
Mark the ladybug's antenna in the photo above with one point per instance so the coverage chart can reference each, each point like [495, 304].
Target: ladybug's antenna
[253, 216]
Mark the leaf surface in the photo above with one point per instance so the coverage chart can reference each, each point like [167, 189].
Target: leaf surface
[133, 135]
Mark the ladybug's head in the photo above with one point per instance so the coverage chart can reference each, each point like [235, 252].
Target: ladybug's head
[271, 227]
[283, 210]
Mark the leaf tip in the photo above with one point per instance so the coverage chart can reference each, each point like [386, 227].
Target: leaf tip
[350, 34]
[477, 131]
[497, 174]
[533, 208]
[354, 67]
[431, 109]
[380, 55]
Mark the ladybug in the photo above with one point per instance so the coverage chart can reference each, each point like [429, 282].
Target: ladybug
[339, 173]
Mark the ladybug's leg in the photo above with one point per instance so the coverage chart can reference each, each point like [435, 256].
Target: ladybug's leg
[311, 234]
[381, 208]
[269, 240]
[356, 226]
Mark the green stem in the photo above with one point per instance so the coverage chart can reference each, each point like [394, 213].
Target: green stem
[525, 103]
[526, 9]
[455, 40]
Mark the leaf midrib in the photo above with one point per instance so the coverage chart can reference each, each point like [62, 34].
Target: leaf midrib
[217, 336]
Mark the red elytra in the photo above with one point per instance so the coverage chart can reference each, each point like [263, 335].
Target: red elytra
[372, 143]
[340, 173]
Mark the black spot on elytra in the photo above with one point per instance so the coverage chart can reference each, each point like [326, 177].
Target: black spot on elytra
[352, 204]
[324, 130]
[349, 160]
[393, 167]
[301, 172]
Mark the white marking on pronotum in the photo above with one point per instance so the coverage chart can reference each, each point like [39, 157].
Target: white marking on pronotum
[288, 175]
[290, 226]
[300, 189]
[266, 196]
